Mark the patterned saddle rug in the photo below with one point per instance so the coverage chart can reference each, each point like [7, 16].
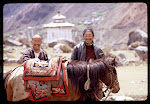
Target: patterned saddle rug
[44, 79]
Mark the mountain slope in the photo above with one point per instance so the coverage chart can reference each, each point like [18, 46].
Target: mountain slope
[127, 15]
[41, 13]
[123, 19]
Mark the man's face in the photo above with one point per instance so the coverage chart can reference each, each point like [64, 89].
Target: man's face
[88, 37]
[36, 42]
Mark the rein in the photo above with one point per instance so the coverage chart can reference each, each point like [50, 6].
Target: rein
[108, 87]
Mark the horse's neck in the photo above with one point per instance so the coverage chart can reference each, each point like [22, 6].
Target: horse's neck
[107, 78]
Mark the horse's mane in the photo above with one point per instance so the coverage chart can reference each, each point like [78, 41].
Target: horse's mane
[77, 72]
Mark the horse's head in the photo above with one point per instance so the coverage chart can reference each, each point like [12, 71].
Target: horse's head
[112, 79]
[99, 71]
[103, 71]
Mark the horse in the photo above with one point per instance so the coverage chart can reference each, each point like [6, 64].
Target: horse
[79, 74]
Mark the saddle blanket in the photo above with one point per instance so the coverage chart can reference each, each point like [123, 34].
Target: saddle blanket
[42, 70]
[44, 79]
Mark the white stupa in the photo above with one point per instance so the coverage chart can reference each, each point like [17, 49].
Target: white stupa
[58, 29]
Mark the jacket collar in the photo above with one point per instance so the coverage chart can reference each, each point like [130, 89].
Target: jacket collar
[34, 51]
[91, 44]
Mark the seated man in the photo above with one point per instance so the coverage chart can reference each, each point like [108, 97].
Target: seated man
[35, 51]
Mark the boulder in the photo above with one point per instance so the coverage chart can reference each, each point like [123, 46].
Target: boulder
[123, 98]
[137, 43]
[122, 56]
[24, 41]
[62, 48]
[66, 42]
[142, 52]
[12, 42]
[137, 35]
[56, 47]
[120, 98]
[10, 60]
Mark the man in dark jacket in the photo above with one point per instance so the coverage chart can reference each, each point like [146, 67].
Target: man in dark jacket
[87, 51]
[35, 51]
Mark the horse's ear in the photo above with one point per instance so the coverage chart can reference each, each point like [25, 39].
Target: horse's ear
[114, 61]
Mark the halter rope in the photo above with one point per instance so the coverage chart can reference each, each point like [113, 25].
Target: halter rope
[87, 83]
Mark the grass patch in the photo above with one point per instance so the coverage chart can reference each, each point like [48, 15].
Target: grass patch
[6, 34]
[43, 31]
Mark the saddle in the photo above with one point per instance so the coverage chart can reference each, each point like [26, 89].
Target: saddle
[44, 79]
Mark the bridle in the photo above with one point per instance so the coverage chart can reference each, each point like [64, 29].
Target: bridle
[112, 84]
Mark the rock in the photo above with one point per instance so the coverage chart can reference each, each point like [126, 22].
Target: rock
[52, 44]
[142, 52]
[123, 98]
[24, 41]
[137, 43]
[122, 56]
[141, 48]
[119, 98]
[12, 42]
[9, 50]
[132, 82]
[137, 35]
[65, 49]
[62, 48]
[143, 81]
[129, 99]
[56, 47]
[10, 60]
[70, 44]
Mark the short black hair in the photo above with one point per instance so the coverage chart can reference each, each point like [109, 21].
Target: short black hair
[89, 29]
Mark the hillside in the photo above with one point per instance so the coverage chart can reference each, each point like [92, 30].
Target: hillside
[112, 21]
[126, 15]
[123, 19]
[41, 13]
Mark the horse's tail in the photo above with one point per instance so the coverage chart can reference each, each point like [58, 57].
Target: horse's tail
[5, 75]
[5, 78]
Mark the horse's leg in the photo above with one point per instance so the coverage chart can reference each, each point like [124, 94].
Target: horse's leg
[9, 92]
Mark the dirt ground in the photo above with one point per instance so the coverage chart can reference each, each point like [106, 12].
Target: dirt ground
[133, 79]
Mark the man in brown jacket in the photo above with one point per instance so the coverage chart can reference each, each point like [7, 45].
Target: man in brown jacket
[35, 51]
